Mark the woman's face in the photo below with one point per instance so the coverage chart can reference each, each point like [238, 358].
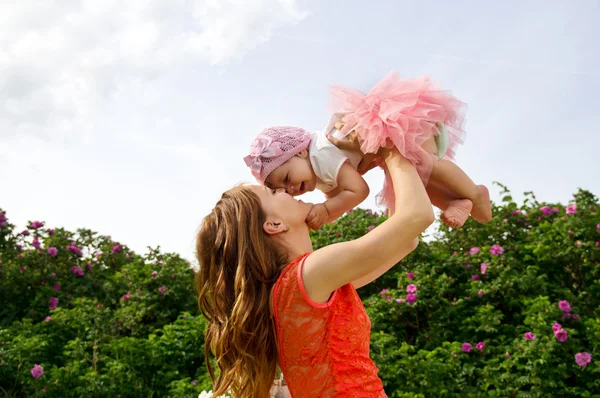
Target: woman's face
[278, 204]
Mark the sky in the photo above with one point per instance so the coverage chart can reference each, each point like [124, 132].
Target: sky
[131, 118]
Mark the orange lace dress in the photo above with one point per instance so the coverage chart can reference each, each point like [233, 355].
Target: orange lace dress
[323, 348]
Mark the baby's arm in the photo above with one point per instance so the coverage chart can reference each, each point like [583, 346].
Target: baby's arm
[351, 191]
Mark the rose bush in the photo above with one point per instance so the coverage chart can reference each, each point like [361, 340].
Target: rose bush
[510, 308]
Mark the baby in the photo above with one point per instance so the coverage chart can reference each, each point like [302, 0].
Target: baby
[420, 120]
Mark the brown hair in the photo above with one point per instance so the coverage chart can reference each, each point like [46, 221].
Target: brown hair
[239, 264]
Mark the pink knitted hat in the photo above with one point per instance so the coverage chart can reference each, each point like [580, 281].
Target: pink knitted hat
[273, 147]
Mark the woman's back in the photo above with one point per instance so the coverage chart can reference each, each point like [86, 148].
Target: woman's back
[323, 348]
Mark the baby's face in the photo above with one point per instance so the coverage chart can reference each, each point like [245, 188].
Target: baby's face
[296, 176]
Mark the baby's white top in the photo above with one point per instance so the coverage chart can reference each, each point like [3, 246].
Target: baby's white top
[327, 159]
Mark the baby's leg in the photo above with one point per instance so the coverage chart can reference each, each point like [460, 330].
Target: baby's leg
[455, 210]
[455, 180]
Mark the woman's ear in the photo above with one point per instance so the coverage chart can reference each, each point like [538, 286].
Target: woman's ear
[274, 227]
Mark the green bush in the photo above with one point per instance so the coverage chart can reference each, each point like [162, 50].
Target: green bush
[114, 334]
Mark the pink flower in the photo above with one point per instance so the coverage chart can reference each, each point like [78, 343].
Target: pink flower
[411, 288]
[172, 276]
[368, 212]
[555, 210]
[411, 298]
[89, 266]
[475, 277]
[384, 291]
[598, 227]
[116, 249]
[56, 286]
[371, 227]
[22, 268]
[162, 289]
[474, 250]
[561, 335]
[77, 271]
[466, 347]
[25, 233]
[2, 217]
[154, 274]
[53, 251]
[37, 371]
[564, 306]
[36, 243]
[53, 303]
[195, 382]
[19, 247]
[556, 326]
[496, 250]
[337, 235]
[529, 336]
[388, 298]
[507, 355]
[48, 319]
[484, 267]
[36, 225]
[583, 358]
[546, 210]
[74, 249]
[400, 301]
[516, 212]
[566, 315]
[575, 317]
[410, 275]
[480, 346]
[51, 232]
[480, 293]
[126, 296]
[571, 209]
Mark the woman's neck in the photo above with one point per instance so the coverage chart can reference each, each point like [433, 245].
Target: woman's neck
[297, 243]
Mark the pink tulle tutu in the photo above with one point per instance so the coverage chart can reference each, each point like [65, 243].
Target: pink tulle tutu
[403, 113]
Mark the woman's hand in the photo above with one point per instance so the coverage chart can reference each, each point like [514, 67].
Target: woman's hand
[352, 143]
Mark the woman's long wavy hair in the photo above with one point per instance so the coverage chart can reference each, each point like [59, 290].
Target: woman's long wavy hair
[239, 264]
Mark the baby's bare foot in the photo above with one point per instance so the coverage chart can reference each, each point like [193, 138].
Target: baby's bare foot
[457, 213]
[482, 209]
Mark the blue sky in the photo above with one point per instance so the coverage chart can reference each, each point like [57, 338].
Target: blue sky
[132, 119]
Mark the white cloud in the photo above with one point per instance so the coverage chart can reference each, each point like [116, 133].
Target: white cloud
[60, 61]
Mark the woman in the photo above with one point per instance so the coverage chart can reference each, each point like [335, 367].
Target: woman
[271, 302]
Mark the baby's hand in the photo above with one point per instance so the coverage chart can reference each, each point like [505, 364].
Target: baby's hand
[317, 217]
[352, 143]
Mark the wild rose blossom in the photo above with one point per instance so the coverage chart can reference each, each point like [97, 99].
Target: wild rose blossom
[480, 293]
[36, 243]
[53, 251]
[51, 232]
[381, 293]
[564, 306]
[561, 335]
[37, 371]
[36, 225]
[466, 347]
[571, 209]
[480, 346]
[556, 326]
[583, 358]
[410, 275]
[74, 249]
[116, 249]
[411, 288]
[546, 210]
[411, 298]
[48, 319]
[475, 277]
[484, 268]
[25, 233]
[162, 289]
[53, 303]
[474, 250]
[77, 271]
[126, 296]
[56, 286]
[400, 301]
[496, 250]
[529, 336]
